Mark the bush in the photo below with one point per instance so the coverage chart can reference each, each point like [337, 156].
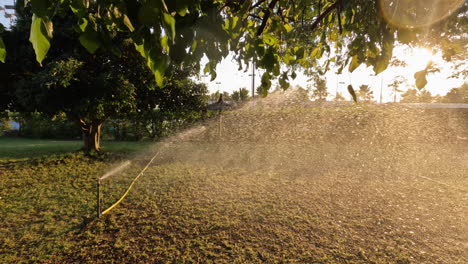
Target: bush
[37, 125]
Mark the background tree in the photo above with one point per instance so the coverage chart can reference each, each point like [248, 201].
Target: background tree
[244, 94]
[227, 96]
[235, 96]
[415, 96]
[339, 97]
[410, 96]
[165, 109]
[365, 93]
[214, 96]
[457, 95]
[398, 81]
[320, 92]
[425, 96]
[89, 88]
[240, 96]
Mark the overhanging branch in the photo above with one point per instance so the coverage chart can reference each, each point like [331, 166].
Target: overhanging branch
[323, 15]
[266, 17]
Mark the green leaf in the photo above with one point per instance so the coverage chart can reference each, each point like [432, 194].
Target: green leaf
[78, 7]
[40, 7]
[265, 84]
[90, 39]
[160, 66]
[156, 61]
[170, 22]
[268, 60]
[270, 39]
[381, 65]
[83, 24]
[314, 53]
[354, 63]
[293, 75]
[420, 78]
[300, 52]
[40, 36]
[128, 23]
[182, 9]
[288, 58]
[148, 14]
[2, 50]
[165, 43]
[382, 61]
[405, 36]
[287, 27]
[284, 84]
[352, 93]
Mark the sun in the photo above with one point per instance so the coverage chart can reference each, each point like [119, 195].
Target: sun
[417, 58]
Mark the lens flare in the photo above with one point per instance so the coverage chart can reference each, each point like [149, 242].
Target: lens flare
[418, 58]
[417, 13]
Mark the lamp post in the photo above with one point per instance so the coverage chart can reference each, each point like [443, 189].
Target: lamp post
[219, 86]
[253, 79]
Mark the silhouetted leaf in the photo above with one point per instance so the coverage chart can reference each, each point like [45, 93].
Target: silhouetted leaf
[170, 23]
[90, 39]
[41, 33]
[352, 93]
[420, 78]
[2, 51]
[354, 63]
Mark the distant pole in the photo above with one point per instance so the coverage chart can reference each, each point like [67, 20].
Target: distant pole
[336, 91]
[381, 89]
[337, 87]
[253, 78]
[219, 87]
[98, 202]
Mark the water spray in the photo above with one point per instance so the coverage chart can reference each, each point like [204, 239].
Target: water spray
[98, 191]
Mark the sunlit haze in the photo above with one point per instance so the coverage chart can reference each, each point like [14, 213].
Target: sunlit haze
[418, 58]
[230, 79]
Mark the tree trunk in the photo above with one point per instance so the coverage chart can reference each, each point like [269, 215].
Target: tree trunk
[91, 135]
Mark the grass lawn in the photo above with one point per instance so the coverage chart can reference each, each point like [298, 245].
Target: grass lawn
[17, 148]
[290, 198]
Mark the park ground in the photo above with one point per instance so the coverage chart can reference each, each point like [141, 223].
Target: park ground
[232, 192]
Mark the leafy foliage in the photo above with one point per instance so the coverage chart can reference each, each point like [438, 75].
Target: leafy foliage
[240, 96]
[307, 34]
[417, 96]
[91, 88]
[352, 93]
[365, 93]
[399, 81]
[320, 92]
[457, 95]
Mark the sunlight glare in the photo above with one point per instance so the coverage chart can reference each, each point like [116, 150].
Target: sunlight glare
[418, 58]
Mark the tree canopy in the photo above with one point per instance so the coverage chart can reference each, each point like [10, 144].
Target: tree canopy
[91, 87]
[365, 93]
[312, 35]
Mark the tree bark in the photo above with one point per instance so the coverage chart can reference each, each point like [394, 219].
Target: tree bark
[91, 135]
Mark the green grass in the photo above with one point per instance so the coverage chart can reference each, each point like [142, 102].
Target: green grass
[282, 200]
[17, 147]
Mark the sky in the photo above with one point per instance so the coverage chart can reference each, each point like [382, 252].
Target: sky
[3, 20]
[230, 79]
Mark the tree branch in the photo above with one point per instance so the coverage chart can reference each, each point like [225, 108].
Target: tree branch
[323, 15]
[338, 11]
[266, 17]
[255, 16]
[257, 4]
